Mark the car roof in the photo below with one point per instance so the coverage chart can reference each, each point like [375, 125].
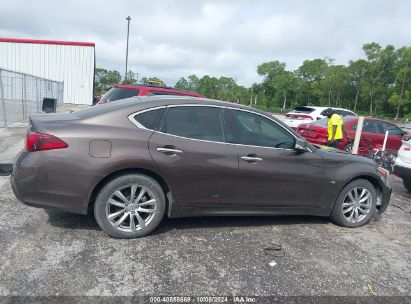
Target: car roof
[156, 101]
[139, 103]
[153, 87]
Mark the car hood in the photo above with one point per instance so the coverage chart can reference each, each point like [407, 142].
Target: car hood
[330, 153]
[330, 149]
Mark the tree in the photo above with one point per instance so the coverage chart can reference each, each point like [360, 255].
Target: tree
[104, 80]
[277, 82]
[132, 78]
[403, 73]
[356, 73]
[182, 84]
[311, 72]
[380, 70]
[381, 83]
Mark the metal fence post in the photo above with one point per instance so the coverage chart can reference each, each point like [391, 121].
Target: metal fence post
[2, 100]
[24, 95]
[37, 96]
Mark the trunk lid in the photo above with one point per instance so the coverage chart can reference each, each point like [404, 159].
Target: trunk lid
[44, 122]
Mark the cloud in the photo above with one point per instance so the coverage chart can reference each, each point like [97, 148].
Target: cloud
[170, 39]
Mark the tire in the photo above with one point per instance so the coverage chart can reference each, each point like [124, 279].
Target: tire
[115, 212]
[352, 196]
[407, 184]
[348, 148]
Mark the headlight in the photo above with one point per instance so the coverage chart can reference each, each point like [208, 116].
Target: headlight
[383, 172]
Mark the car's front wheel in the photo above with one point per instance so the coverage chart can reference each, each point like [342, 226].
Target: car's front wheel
[355, 204]
[130, 206]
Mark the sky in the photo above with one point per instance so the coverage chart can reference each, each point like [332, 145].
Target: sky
[176, 38]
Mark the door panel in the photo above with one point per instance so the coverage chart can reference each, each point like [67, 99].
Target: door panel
[275, 176]
[282, 178]
[394, 140]
[370, 134]
[202, 171]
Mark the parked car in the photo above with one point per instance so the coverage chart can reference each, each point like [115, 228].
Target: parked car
[123, 91]
[373, 133]
[406, 127]
[135, 161]
[402, 165]
[308, 114]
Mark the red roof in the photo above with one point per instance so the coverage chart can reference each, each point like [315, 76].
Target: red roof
[37, 41]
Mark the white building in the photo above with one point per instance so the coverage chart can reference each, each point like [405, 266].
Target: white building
[70, 62]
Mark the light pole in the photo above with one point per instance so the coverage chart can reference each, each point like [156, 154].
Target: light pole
[128, 31]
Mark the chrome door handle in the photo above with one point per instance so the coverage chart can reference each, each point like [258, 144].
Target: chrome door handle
[252, 159]
[169, 151]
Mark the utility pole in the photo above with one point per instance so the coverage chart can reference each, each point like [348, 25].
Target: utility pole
[128, 32]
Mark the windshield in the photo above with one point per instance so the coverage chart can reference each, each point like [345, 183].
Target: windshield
[119, 93]
[303, 109]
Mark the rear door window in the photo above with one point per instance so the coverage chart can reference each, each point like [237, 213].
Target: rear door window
[195, 122]
[369, 126]
[149, 119]
[119, 93]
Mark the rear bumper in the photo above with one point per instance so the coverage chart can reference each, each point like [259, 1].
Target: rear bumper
[37, 184]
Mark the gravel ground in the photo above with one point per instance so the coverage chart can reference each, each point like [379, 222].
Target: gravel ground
[54, 253]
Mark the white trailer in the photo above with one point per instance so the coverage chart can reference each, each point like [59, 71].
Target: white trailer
[69, 62]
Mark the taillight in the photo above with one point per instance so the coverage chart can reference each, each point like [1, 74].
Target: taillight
[40, 142]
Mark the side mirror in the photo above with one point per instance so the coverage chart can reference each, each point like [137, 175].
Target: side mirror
[301, 145]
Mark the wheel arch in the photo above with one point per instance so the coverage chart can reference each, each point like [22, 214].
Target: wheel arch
[163, 184]
[372, 179]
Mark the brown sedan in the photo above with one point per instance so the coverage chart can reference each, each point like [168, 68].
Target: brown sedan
[134, 161]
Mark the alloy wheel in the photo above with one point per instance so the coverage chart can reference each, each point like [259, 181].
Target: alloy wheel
[131, 208]
[357, 204]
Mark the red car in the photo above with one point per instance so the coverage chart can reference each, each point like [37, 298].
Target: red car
[123, 91]
[373, 134]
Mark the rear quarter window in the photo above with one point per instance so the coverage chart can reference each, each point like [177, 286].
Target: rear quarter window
[149, 119]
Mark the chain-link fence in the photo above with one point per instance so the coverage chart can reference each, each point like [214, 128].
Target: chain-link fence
[22, 95]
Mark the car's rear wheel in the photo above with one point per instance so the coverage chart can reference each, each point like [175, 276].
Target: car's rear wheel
[355, 204]
[130, 206]
[407, 184]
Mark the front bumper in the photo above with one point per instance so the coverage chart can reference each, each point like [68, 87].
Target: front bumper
[386, 191]
[403, 172]
[402, 169]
